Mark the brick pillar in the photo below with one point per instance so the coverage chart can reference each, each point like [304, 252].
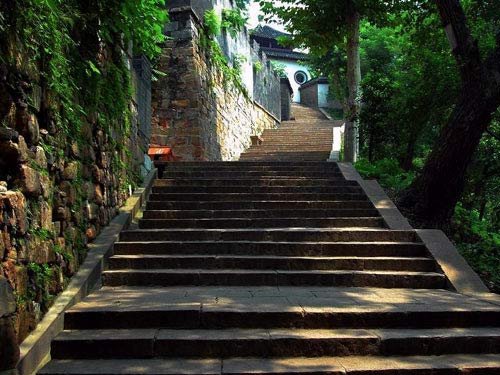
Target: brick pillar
[175, 97]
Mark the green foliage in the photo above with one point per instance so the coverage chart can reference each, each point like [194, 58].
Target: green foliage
[42, 234]
[479, 242]
[76, 51]
[279, 69]
[387, 172]
[230, 71]
[40, 277]
[212, 23]
[233, 21]
[258, 66]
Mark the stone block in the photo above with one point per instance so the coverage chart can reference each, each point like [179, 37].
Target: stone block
[46, 185]
[9, 347]
[29, 181]
[71, 170]
[40, 251]
[27, 125]
[15, 205]
[8, 134]
[7, 299]
[40, 157]
[45, 215]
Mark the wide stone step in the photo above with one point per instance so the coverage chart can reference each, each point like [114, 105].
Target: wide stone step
[271, 234]
[290, 147]
[263, 222]
[149, 262]
[472, 364]
[353, 249]
[293, 145]
[281, 157]
[289, 158]
[226, 343]
[283, 307]
[319, 167]
[238, 164]
[188, 189]
[213, 214]
[242, 173]
[251, 182]
[238, 277]
[257, 205]
[204, 197]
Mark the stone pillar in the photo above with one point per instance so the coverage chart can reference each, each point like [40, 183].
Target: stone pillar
[175, 97]
[286, 99]
[9, 347]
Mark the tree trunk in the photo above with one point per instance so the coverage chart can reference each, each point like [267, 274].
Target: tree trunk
[435, 193]
[407, 159]
[351, 141]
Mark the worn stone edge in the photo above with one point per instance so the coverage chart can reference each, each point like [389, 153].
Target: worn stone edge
[266, 111]
[388, 210]
[326, 114]
[460, 275]
[35, 349]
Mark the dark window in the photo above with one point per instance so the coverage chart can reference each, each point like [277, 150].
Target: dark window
[300, 77]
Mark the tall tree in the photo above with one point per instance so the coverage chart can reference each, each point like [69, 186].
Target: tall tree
[321, 24]
[434, 194]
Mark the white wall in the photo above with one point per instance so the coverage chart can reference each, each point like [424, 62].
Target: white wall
[323, 90]
[291, 67]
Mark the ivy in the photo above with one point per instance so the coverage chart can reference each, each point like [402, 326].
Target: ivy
[231, 72]
[233, 21]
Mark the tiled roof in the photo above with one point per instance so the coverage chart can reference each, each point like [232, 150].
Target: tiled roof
[267, 32]
[284, 54]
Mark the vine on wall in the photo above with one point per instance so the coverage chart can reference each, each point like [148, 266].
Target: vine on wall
[233, 21]
[65, 133]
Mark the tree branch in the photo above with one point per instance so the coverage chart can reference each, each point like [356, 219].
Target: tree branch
[463, 45]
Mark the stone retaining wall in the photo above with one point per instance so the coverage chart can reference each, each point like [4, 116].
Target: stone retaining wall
[195, 110]
[57, 192]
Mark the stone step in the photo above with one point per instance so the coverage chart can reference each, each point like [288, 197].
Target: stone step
[321, 167]
[142, 261]
[204, 197]
[282, 157]
[187, 189]
[227, 343]
[324, 156]
[293, 145]
[471, 364]
[283, 307]
[289, 147]
[288, 151]
[270, 234]
[264, 222]
[239, 277]
[251, 182]
[212, 214]
[238, 164]
[256, 204]
[327, 249]
[242, 173]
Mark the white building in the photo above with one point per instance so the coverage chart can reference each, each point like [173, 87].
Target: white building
[293, 61]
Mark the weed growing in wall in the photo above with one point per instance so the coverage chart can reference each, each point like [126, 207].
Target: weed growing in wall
[231, 72]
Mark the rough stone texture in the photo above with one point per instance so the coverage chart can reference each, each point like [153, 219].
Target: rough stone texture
[57, 192]
[9, 351]
[195, 111]
[286, 99]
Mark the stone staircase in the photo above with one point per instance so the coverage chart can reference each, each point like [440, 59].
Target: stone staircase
[272, 267]
[309, 138]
